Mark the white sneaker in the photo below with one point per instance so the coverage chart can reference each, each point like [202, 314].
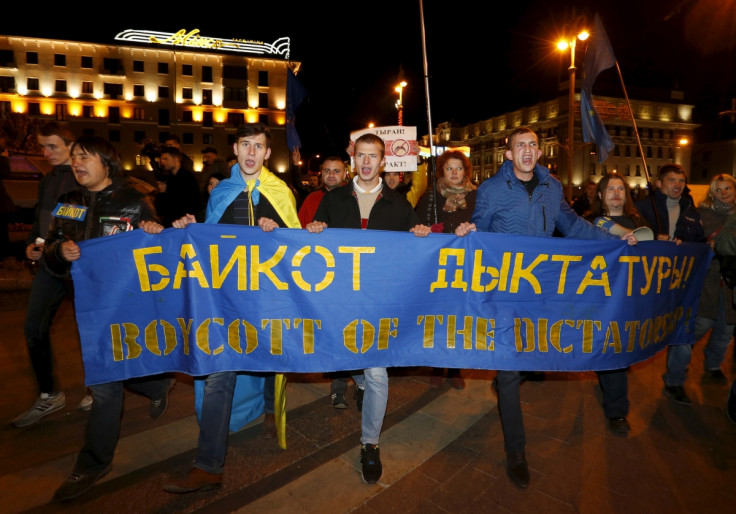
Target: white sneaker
[44, 405]
[85, 403]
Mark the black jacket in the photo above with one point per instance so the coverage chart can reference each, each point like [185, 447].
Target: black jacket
[689, 229]
[339, 209]
[117, 208]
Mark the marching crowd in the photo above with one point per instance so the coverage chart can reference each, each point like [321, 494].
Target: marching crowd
[523, 197]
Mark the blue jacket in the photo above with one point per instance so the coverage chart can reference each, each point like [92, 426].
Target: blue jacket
[503, 205]
[689, 228]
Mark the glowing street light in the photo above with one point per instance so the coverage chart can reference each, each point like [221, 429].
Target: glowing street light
[399, 103]
[562, 46]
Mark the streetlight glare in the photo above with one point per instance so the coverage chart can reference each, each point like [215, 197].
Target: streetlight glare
[562, 45]
[583, 35]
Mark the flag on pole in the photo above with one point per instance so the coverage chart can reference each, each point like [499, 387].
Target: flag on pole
[598, 57]
[295, 95]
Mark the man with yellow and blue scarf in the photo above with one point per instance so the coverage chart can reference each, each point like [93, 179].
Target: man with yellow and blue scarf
[251, 196]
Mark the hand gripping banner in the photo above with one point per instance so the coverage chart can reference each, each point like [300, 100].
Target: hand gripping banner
[223, 297]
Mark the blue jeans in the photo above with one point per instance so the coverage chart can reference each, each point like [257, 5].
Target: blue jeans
[214, 425]
[47, 293]
[375, 398]
[103, 426]
[678, 356]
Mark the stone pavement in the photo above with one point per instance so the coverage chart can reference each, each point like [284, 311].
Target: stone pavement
[442, 449]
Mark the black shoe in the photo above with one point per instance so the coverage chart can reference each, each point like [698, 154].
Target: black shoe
[517, 470]
[339, 401]
[370, 458]
[77, 484]
[159, 405]
[678, 394]
[359, 398]
[731, 403]
[618, 425]
[715, 376]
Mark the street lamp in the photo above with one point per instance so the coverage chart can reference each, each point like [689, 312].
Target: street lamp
[399, 103]
[564, 45]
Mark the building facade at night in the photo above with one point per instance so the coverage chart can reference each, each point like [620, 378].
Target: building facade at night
[665, 130]
[150, 86]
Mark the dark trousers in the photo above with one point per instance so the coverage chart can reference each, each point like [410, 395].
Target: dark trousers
[47, 293]
[615, 389]
[509, 407]
[103, 426]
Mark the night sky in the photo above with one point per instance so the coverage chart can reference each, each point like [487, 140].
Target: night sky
[483, 58]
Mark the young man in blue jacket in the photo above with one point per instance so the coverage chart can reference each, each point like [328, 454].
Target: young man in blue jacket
[523, 198]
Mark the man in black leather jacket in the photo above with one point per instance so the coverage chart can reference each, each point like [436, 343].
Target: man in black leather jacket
[103, 205]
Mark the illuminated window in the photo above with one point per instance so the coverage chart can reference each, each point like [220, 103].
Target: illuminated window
[263, 100]
[88, 87]
[139, 66]
[7, 84]
[206, 97]
[7, 59]
[113, 114]
[60, 86]
[186, 93]
[207, 119]
[163, 67]
[113, 90]
[86, 62]
[206, 73]
[186, 70]
[61, 112]
[163, 91]
[59, 60]
[31, 57]
[262, 79]
[186, 116]
[32, 84]
[34, 108]
[235, 119]
[139, 113]
[138, 90]
[113, 66]
[235, 94]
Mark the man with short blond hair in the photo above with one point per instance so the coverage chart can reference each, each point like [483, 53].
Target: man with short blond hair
[365, 203]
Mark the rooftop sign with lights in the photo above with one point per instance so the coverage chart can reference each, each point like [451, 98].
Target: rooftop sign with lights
[193, 39]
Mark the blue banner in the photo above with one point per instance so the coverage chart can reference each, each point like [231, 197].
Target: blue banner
[224, 297]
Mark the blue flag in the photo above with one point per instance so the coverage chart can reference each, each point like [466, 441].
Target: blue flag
[593, 128]
[295, 95]
[598, 57]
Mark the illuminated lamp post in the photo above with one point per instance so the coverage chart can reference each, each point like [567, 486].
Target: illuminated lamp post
[399, 103]
[564, 45]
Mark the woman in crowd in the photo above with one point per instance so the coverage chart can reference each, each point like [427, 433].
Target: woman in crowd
[443, 208]
[614, 210]
[716, 308]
